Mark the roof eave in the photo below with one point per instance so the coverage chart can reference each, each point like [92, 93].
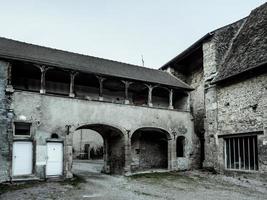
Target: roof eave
[220, 80]
[42, 62]
[188, 51]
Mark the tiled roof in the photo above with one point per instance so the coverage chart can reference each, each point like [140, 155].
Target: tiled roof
[249, 47]
[17, 50]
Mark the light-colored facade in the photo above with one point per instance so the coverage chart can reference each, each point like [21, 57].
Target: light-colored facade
[42, 116]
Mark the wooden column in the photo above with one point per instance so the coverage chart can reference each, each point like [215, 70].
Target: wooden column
[43, 69]
[126, 94]
[149, 98]
[101, 80]
[171, 99]
[72, 78]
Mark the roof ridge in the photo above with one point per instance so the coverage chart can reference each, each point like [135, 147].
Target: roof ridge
[211, 33]
[232, 41]
[232, 23]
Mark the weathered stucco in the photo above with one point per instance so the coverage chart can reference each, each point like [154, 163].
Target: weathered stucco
[196, 107]
[52, 114]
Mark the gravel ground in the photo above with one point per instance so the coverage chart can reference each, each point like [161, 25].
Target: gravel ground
[150, 186]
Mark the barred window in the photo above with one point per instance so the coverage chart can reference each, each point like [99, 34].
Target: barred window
[241, 153]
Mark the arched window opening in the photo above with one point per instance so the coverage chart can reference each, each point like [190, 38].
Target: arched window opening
[180, 146]
[86, 86]
[138, 94]
[113, 90]
[180, 100]
[160, 97]
[57, 82]
[25, 76]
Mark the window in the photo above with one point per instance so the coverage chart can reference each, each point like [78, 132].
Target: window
[54, 136]
[22, 129]
[180, 142]
[241, 153]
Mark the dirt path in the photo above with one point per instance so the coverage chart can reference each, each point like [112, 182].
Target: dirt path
[168, 186]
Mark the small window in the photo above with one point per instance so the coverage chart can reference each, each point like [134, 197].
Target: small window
[180, 143]
[22, 129]
[54, 136]
[241, 153]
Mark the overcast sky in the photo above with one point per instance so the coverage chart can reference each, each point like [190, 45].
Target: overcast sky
[121, 30]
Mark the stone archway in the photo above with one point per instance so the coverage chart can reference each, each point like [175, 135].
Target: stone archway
[150, 149]
[113, 148]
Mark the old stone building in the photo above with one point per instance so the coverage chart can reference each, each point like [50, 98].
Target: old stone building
[47, 95]
[227, 68]
[204, 108]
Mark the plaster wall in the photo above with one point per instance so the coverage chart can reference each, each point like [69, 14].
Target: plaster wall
[51, 114]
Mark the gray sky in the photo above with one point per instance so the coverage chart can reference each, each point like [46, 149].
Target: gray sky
[120, 30]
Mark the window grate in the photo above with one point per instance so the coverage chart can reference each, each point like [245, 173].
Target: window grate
[241, 153]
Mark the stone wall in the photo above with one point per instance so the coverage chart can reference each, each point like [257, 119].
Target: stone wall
[198, 111]
[214, 52]
[237, 106]
[4, 144]
[241, 107]
[210, 122]
[196, 106]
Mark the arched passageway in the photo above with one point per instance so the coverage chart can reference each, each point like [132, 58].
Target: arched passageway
[149, 149]
[87, 145]
[113, 147]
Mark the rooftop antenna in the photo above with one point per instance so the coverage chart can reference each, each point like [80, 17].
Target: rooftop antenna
[143, 62]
